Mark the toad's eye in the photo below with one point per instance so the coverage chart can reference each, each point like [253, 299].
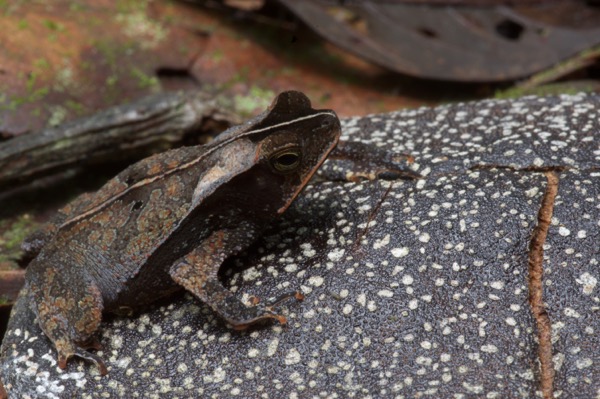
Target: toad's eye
[286, 161]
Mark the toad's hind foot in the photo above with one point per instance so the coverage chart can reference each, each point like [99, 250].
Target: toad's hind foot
[245, 316]
[67, 351]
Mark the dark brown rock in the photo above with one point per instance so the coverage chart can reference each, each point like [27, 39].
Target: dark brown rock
[412, 288]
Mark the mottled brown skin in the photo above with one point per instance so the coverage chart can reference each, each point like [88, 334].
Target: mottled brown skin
[169, 221]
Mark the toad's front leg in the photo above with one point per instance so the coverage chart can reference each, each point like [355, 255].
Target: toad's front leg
[356, 161]
[197, 273]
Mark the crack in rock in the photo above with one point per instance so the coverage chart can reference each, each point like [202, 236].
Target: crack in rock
[536, 273]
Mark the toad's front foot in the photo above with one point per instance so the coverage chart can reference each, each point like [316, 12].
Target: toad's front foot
[243, 316]
[357, 161]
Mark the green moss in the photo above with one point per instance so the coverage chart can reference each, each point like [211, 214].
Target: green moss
[75, 107]
[11, 7]
[53, 25]
[34, 91]
[142, 28]
[57, 115]
[31, 79]
[288, 71]
[108, 51]
[240, 77]
[60, 144]
[112, 80]
[86, 66]
[540, 83]
[34, 94]
[217, 56]
[14, 232]
[184, 50]
[119, 72]
[64, 78]
[76, 6]
[144, 81]
[41, 64]
[38, 94]
[257, 98]
[111, 56]
[127, 6]
[544, 90]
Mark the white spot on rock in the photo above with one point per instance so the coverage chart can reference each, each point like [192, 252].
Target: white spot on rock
[563, 231]
[307, 250]
[407, 279]
[293, 357]
[489, 348]
[413, 304]
[362, 299]
[382, 243]
[316, 281]
[588, 282]
[583, 363]
[272, 347]
[336, 254]
[532, 192]
[570, 312]
[182, 368]
[424, 238]
[400, 252]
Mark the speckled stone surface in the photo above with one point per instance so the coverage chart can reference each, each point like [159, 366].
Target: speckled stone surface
[572, 284]
[413, 288]
[532, 132]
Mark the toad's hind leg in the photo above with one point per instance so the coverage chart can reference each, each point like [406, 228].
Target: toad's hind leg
[69, 313]
[33, 243]
[197, 273]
